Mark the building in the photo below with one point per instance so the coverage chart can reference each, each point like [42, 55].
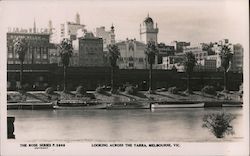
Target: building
[88, 51]
[217, 49]
[107, 36]
[54, 38]
[215, 57]
[198, 52]
[132, 54]
[237, 62]
[69, 29]
[148, 32]
[179, 45]
[206, 65]
[173, 63]
[38, 45]
[163, 51]
[54, 57]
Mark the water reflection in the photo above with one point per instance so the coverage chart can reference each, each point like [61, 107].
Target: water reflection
[120, 125]
[219, 124]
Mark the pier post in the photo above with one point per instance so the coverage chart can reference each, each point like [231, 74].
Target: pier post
[11, 127]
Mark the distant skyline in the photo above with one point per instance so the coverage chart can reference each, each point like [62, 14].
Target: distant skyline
[182, 20]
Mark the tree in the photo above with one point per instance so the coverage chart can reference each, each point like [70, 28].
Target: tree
[113, 55]
[65, 49]
[189, 64]
[226, 56]
[208, 47]
[21, 47]
[151, 51]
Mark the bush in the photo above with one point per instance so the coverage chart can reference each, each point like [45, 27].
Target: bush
[121, 89]
[80, 90]
[209, 90]
[131, 90]
[219, 124]
[100, 90]
[173, 90]
[49, 90]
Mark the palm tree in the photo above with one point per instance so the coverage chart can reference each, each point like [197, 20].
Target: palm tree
[21, 47]
[151, 51]
[189, 64]
[65, 49]
[226, 57]
[113, 55]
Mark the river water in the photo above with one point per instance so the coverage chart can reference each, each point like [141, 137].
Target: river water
[120, 125]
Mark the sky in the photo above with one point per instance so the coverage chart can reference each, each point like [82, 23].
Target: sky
[183, 20]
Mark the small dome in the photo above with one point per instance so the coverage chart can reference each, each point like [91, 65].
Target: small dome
[148, 20]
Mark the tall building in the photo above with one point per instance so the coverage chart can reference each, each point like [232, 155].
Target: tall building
[77, 18]
[148, 32]
[38, 45]
[107, 36]
[53, 33]
[88, 51]
[237, 62]
[69, 29]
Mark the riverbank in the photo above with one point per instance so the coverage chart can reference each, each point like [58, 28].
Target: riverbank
[121, 100]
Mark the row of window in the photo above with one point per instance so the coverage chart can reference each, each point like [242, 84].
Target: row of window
[131, 59]
[200, 55]
[38, 49]
[92, 49]
[26, 62]
[38, 56]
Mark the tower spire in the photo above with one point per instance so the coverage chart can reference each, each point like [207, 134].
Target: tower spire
[34, 26]
[77, 18]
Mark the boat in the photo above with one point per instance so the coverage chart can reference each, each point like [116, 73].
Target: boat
[81, 106]
[30, 105]
[185, 105]
[231, 105]
[71, 102]
[127, 105]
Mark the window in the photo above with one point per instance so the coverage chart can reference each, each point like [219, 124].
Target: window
[10, 55]
[140, 59]
[38, 56]
[44, 56]
[131, 65]
[10, 62]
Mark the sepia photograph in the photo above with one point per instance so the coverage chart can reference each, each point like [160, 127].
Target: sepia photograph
[124, 77]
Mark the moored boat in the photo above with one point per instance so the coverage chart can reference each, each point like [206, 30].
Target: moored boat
[30, 105]
[81, 106]
[231, 105]
[191, 105]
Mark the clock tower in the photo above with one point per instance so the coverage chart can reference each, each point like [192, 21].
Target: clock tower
[148, 32]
